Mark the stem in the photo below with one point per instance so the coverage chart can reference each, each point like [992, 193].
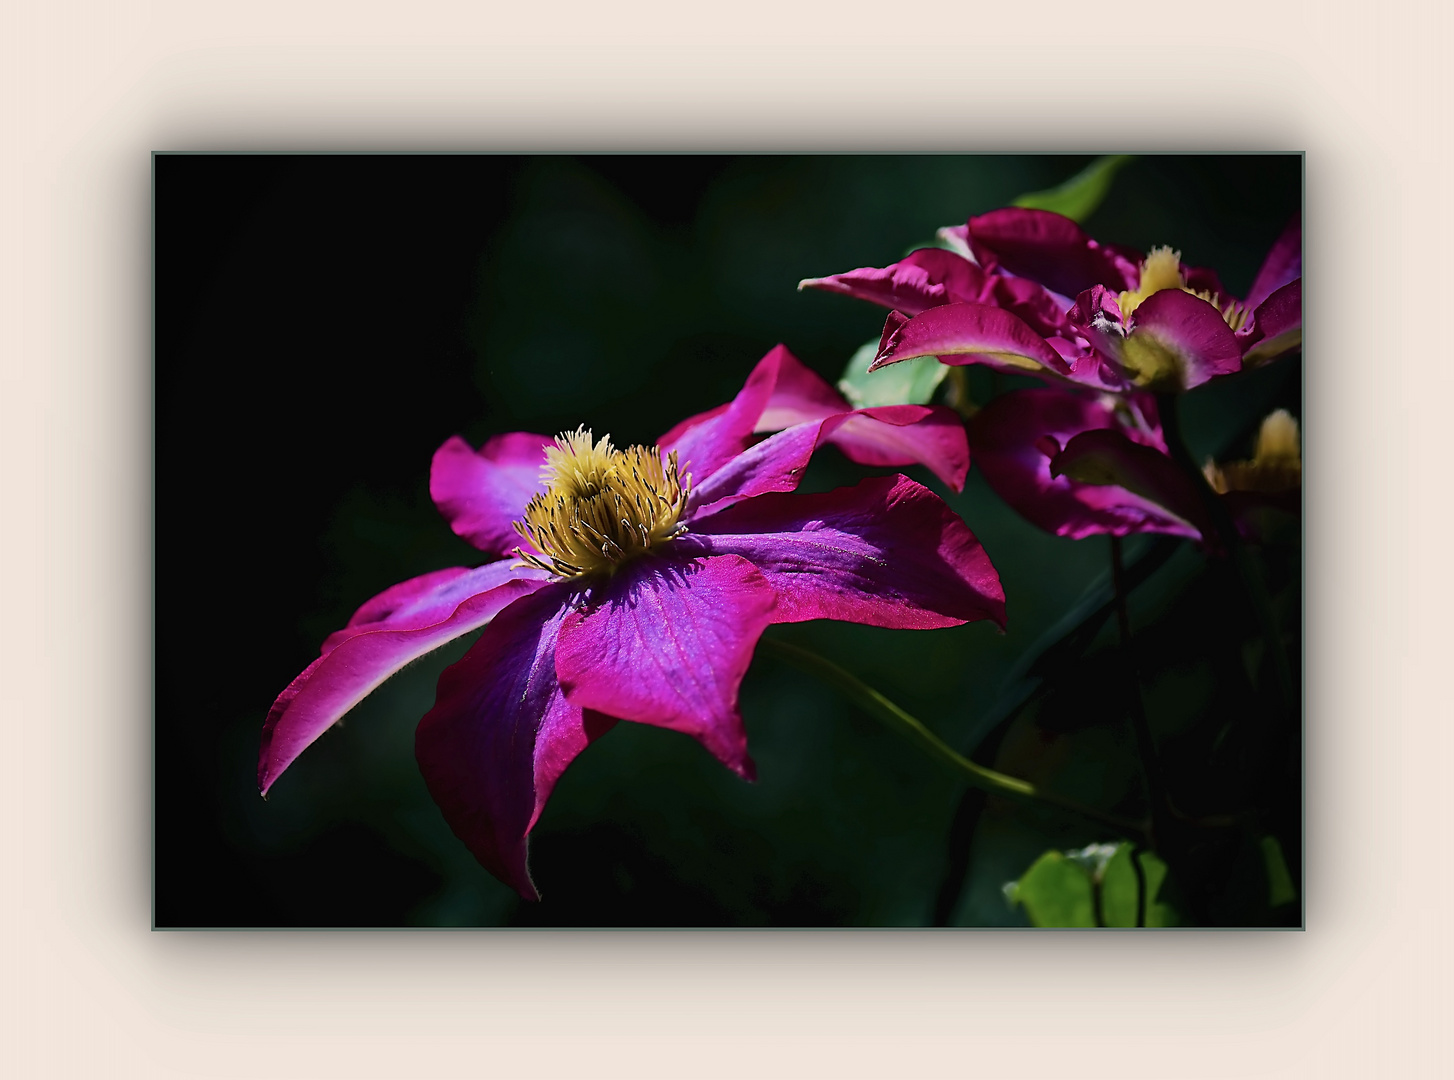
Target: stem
[1145, 744]
[895, 718]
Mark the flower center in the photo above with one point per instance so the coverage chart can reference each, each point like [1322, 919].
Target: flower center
[602, 506]
[1162, 270]
[1276, 465]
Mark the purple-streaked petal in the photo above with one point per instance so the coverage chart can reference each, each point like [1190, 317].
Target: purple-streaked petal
[1105, 457]
[501, 733]
[1009, 441]
[706, 442]
[399, 625]
[968, 334]
[929, 277]
[666, 642]
[1050, 249]
[1283, 264]
[1178, 341]
[883, 435]
[1277, 325]
[887, 552]
[482, 493]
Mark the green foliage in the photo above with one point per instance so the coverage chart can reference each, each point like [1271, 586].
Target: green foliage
[1280, 888]
[1079, 196]
[911, 382]
[1094, 886]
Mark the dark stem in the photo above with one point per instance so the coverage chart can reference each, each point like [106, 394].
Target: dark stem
[1145, 744]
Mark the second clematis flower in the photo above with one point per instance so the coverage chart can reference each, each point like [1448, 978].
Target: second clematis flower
[640, 582]
[1028, 291]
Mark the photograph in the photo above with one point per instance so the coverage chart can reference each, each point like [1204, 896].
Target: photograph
[728, 541]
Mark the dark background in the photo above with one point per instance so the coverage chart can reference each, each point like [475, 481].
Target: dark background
[324, 323]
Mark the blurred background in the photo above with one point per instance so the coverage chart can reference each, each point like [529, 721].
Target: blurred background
[324, 323]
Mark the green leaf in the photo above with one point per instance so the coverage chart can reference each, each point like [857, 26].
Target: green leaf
[1120, 889]
[1055, 891]
[910, 382]
[1078, 197]
[1280, 889]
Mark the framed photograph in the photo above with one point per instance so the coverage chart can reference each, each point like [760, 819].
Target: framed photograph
[704, 541]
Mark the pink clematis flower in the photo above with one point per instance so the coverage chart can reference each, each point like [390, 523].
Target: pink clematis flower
[1003, 298]
[640, 583]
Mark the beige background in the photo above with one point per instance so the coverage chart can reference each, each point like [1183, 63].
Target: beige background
[87, 90]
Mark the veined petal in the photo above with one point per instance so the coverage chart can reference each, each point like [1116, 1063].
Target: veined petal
[968, 334]
[666, 642]
[921, 280]
[1009, 436]
[1283, 264]
[482, 493]
[1050, 249]
[1277, 325]
[399, 625]
[799, 394]
[887, 552]
[501, 733]
[1178, 341]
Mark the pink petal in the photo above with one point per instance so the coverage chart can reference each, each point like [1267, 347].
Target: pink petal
[1106, 457]
[798, 394]
[921, 280]
[399, 625]
[1277, 326]
[501, 733]
[482, 493]
[1017, 434]
[667, 643]
[1192, 333]
[969, 334]
[1050, 249]
[1283, 264]
[887, 552]
[884, 435]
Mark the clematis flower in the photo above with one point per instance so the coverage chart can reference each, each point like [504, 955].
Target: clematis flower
[1003, 298]
[1266, 485]
[640, 582]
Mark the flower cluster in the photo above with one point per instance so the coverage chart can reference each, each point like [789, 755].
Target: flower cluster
[1085, 454]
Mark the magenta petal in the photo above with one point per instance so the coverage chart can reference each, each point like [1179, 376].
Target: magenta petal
[800, 394]
[969, 334]
[501, 733]
[1189, 335]
[895, 435]
[706, 442]
[887, 552]
[482, 493]
[1283, 264]
[884, 435]
[1010, 438]
[921, 280]
[399, 625]
[1277, 325]
[1106, 457]
[1050, 249]
[667, 643]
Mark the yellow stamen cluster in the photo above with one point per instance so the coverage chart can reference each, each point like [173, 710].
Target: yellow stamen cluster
[1276, 465]
[1162, 270]
[602, 506]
